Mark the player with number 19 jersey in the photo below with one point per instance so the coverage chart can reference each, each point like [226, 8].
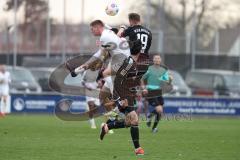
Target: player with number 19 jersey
[139, 32]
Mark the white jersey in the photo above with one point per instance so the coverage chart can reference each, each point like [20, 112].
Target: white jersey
[4, 83]
[118, 45]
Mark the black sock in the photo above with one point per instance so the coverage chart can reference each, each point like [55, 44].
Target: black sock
[149, 117]
[116, 124]
[135, 136]
[157, 119]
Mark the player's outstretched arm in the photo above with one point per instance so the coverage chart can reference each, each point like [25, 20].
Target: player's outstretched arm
[121, 30]
[166, 77]
[94, 63]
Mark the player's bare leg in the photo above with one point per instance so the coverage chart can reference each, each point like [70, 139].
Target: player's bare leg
[91, 106]
[3, 105]
[145, 105]
[132, 121]
[105, 100]
[158, 114]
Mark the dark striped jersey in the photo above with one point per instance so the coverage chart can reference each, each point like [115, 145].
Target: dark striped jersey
[139, 32]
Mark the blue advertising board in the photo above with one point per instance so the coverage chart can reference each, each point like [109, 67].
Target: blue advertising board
[43, 103]
[202, 106]
[186, 105]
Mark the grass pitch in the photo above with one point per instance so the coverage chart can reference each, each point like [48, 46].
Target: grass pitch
[42, 137]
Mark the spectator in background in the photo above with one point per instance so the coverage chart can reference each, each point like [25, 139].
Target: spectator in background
[4, 89]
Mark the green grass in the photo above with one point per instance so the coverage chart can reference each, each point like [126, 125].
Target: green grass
[41, 137]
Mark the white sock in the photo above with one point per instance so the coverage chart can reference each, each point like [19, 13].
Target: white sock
[92, 122]
[4, 109]
[1, 105]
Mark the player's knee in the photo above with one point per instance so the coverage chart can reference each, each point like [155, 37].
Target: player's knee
[159, 109]
[105, 97]
[133, 118]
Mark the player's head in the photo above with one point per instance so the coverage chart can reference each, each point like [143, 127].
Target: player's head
[134, 19]
[97, 27]
[157, 59]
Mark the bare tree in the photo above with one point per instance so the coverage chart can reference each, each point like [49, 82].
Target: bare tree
[34, 20]
[33, 9]
[179, 18]
[202, 16]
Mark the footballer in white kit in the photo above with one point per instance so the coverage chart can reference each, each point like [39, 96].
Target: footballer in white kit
[89, 81]
[4, 88]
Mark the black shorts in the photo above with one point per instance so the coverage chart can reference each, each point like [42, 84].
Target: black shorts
[154, 97]
[156, 101]
[127, 110]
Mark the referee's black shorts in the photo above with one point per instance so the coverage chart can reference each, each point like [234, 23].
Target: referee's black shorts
[154, 97]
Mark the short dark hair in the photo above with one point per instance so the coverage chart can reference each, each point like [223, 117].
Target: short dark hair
[97, 22]
[134, 17]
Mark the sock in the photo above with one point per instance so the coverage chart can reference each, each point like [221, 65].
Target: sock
[116, 124]
[92, 122]
[149, 117]
[135, 136]
[1, 106]
[157, 119]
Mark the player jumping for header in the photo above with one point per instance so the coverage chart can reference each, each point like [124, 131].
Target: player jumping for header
[121, 63]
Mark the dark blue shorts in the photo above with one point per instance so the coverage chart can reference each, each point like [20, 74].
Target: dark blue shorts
[156, 101]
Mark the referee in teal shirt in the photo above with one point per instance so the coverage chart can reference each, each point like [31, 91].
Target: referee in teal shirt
[152, 84]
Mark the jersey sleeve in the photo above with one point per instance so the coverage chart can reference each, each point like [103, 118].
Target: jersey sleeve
[126, 32]
[104, 39]
[97, 54]
[107, 42]
[164, 77]
[84, 76]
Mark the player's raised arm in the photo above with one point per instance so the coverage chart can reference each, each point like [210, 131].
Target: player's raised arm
[94, 63]
[121, 30]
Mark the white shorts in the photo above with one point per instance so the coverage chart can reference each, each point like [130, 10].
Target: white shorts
[4, 92]
[91, 85]
[109, 83]
[91, 95]
[95, 100]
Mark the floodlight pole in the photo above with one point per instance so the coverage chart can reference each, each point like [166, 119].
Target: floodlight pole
[148, 14]
[64, 32]
[238, 53]
[15, 34]
[217, 43]
[48, 32]
[193, 57]
[81, 27]
[162, 26]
